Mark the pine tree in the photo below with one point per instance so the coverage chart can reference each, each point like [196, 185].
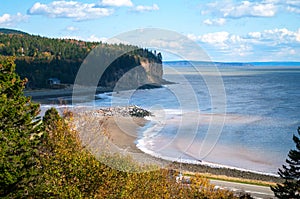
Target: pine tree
[18, 127]
[291, 174]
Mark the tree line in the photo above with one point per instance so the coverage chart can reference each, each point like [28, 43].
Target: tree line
[40, 58]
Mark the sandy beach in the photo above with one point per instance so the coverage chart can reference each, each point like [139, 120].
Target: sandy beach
[98, 124]
[100, 131]
[113, 131]
[125, 139]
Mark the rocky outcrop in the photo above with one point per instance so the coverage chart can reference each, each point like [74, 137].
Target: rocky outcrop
[143, 69]
[127, 111]
[154, 71]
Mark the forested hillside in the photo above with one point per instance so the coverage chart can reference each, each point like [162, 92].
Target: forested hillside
[40, 58]
[45, 158]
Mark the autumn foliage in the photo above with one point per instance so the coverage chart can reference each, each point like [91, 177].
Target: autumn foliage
[45, 158]
[69, 170]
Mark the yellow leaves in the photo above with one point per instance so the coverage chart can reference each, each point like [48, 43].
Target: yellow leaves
[13, 80]
[203, 186]
[71, 171]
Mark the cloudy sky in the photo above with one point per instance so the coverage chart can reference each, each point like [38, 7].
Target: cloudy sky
[228, 30]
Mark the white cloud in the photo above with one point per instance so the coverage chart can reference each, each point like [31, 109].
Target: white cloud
[292, 52]
[226, 43]
[215, 38]
[293, 9]
[166, 44]
[72, 28]
[236, 39]
[91, 38]
[208, 22]
[286, 52]
[117, 3]
[271, 37]
[70, 9]
[193, 37]
[293, 3]
[142, 8]
[288, 5]
[220, 21]
[5, 18]
[281, 36]
[255, 35]
[249, 9]
[11, 20]
[272, 1]
[94, 38]
[273, 44]
[242, 50]
[298, 35]
[230, 9]
[268, 45]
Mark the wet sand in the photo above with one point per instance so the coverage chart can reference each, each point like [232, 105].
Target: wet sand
[121, 133]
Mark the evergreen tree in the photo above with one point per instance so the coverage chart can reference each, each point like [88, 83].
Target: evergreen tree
[40, 58]
[291, 174]
[18, 129]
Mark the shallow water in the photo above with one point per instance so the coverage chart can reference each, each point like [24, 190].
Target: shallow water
[253, 132]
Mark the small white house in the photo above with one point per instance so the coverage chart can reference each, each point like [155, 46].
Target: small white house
[53, 82]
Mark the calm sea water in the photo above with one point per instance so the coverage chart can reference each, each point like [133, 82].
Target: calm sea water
[262, 113]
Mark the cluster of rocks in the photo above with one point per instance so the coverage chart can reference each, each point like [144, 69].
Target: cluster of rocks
[127, 111]
[136, 111]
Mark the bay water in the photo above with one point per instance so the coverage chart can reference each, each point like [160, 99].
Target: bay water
[254, 132]
[238, 116]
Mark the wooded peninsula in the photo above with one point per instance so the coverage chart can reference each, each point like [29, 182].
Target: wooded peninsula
[40, 58]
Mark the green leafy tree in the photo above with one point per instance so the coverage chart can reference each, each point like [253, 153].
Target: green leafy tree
[18, 129]
[291, 174]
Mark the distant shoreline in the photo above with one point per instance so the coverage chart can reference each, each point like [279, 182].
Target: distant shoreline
[59, 96]
[232, 64]
[79, 95]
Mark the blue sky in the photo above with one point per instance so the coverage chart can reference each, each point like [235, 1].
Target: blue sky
[228, 30]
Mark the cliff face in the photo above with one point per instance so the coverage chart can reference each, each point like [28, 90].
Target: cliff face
[146, 75]
[139, 72]
[154, 71]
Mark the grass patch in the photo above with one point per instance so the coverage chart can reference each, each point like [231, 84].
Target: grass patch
[232, 179]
